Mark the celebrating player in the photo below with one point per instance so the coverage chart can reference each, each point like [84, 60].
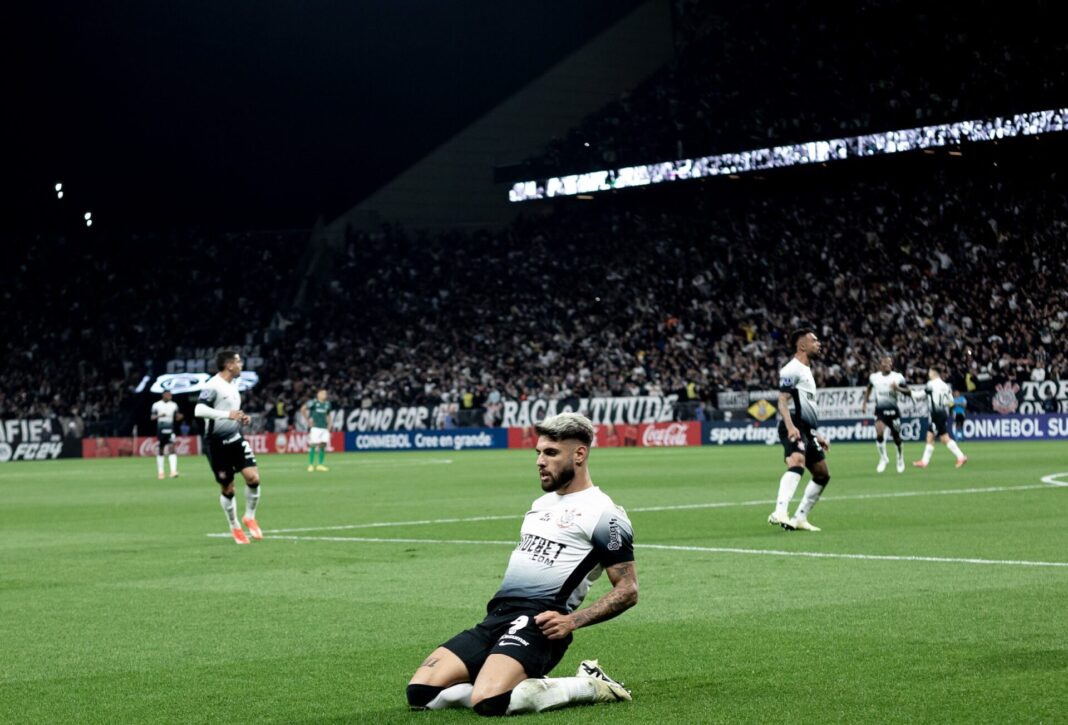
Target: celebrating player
[939, 400]
[887, 385]
[227, 450]
[802, 446]
[165, 413]
[568, 537]
[320, 420]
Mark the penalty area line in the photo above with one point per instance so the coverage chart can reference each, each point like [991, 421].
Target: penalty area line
[676, 507]
[698, 549]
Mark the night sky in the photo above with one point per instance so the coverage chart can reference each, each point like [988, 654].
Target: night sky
[257, 115]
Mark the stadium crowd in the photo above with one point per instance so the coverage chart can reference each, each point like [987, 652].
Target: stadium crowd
[739, 82]
[641, 297]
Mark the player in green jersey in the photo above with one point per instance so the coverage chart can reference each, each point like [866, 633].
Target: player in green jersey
[319, 416]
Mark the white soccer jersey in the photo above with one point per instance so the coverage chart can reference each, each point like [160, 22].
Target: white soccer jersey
[221, 395]
[164, 413]
[796, 379]
[565, 544]
[939, 396]
[883, 387]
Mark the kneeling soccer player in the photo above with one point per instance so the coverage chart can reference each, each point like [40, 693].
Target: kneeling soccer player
[569, 536]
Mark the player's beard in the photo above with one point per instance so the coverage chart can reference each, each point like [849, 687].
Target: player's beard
[555, 483]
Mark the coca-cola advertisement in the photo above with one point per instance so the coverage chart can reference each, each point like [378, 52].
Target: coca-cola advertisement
[686, 433]
[128, 446]
[611, 435]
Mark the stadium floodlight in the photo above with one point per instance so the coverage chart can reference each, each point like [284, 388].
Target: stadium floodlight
[88, 215]
[88, 222]
[59, 187]
[59, 194]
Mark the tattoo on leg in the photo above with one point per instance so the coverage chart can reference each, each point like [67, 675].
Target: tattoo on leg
[429, 662]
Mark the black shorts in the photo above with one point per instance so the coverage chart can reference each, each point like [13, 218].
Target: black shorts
[805, 444]
[226, 459]
[890, 417]
[165, 438]
[939, 425]
[509, 629]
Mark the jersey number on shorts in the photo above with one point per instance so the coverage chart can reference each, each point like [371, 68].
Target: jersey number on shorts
[248, 450]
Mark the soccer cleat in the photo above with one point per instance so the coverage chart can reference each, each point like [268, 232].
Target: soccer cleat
[239, 535]
[608, 690]
[321, 467]
[804, 525]
[174, 474]
[962, 461]
[784, 521]
[160, 475]
[311, 468]
[882, 465]
[920, 464]
[253, 528]
[900, 465]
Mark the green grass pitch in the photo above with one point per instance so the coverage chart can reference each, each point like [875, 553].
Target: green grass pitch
[117, 606]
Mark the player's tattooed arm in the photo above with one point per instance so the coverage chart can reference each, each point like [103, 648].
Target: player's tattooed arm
[622, 596]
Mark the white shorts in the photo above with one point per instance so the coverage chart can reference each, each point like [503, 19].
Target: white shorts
[317, 436]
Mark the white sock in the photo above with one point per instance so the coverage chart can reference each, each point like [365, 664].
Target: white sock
[252, 500]
[955, 449]
[455, 696]
[928, 451]
[159, 464]
[812, 495]
[230, 509]
[881, 447]
[787, 487]
[551, 693]
[174, 463]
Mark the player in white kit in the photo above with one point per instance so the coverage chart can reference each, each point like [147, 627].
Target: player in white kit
[227, 450]
[802, 446]
[569, 537]
[939, 401]
[165, 413]
[887, 385]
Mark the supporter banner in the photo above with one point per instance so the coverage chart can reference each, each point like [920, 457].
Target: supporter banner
[1051, 426]
[833, 402]
[1028, 396]
[687, 433]
[718, 433]
[115, 447]
[292, 442]
[35, 439]
[617, 411]
[454, 439]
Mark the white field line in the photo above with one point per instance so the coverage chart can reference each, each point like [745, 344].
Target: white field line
[1051, 479]
[679, 507]
[702, 549]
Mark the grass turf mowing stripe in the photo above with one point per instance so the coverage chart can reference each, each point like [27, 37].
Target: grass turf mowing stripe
[702, 549]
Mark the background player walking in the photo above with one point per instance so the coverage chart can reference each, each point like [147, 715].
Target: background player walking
[165, 413]
[939, 400]
[887, 385]
[227, 450]
[802, 446]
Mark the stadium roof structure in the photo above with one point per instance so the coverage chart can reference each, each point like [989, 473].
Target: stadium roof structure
[811, 152]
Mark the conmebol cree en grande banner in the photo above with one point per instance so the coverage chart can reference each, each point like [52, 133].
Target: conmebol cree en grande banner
[812, 152]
